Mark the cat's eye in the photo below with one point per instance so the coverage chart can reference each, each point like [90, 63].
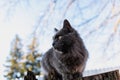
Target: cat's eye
[59, 37]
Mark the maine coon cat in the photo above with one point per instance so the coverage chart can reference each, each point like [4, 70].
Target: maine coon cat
[66, 60]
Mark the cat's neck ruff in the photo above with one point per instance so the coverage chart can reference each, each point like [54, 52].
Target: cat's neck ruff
[57, 51]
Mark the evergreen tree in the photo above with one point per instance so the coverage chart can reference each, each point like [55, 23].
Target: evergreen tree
[17, 63]
[33, 57]
[13, 64]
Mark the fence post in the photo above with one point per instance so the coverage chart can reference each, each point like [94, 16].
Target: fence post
[30, 76]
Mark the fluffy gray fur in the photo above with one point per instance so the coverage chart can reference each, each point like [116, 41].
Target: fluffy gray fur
[67, 57]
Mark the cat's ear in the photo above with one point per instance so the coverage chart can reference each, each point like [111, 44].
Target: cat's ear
[67, 25]
[56, 30]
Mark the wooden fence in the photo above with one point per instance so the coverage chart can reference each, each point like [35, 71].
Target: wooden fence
[111, 75]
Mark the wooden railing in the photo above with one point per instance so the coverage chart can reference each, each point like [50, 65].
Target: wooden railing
[111, 75]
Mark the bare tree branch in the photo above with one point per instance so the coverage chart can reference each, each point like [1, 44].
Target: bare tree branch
[66, 9]
[43, 19]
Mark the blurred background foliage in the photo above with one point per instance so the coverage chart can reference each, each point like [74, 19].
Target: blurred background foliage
[19, 62]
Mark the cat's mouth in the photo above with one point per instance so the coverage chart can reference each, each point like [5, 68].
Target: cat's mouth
[57, 51]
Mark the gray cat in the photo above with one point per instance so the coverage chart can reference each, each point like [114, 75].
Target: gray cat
[66, 60]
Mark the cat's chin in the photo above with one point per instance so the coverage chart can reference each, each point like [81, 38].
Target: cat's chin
[57, 51]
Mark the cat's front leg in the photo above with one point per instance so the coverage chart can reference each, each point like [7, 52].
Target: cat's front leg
[50, 76]
[53, 76]
[71, 76]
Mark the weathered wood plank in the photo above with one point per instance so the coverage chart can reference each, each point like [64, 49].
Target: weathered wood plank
[112, 75]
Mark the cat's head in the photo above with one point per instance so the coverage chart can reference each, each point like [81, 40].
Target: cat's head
[65, 38]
